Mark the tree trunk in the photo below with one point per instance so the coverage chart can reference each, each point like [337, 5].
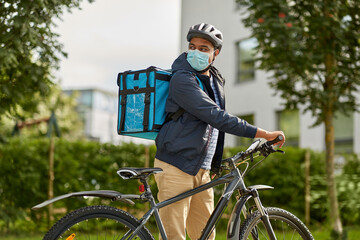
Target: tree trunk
[307, 188]
[329, 112]
[335, 219]
[51, 180]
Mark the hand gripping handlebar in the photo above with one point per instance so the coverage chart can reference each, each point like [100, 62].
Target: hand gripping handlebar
[277, 139]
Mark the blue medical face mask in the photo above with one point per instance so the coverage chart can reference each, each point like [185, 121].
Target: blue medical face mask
[198, 60]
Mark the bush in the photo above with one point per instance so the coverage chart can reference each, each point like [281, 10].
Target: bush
[78, 166]
[348, 185]
[23, 167]
[286, 173]
[82, 166]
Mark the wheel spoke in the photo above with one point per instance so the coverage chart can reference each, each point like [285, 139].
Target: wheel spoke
[98, 223]
[285, 226]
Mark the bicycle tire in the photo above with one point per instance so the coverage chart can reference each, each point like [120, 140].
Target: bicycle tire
[285, 225]
[97, 222]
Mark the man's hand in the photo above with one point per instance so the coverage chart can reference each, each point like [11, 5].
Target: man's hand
[261, 133]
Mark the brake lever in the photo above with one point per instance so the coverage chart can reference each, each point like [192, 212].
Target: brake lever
[266, 149]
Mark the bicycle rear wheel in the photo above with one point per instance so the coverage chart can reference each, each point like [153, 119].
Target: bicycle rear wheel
[285, 225]
[97, 222]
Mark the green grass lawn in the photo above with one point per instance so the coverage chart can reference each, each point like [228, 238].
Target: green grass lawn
[352, 233]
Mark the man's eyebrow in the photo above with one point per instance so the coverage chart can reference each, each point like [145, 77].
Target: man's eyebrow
[191, 44]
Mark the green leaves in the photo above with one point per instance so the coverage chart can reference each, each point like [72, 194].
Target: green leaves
[81, 166]
[78, 166]
[29, 51]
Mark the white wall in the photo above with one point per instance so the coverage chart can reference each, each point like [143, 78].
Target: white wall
[311, 137]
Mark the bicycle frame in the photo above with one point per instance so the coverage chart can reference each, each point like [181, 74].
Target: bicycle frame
[235, 182]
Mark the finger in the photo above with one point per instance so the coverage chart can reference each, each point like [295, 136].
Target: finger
[280, 144]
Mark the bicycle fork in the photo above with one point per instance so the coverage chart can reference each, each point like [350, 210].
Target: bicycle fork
[264, 216]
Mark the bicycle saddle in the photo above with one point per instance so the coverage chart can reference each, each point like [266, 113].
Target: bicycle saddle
[131, 172]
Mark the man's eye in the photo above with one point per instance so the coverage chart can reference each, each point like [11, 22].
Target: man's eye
[204, 49]
[191, 48]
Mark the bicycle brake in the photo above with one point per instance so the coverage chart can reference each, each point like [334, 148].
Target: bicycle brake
[224, 167]
[251, 209]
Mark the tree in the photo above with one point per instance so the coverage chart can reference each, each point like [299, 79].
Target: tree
[57, 102]
[29, 50]
[313, 50]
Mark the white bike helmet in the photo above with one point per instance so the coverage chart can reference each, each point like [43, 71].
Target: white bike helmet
[208, 32]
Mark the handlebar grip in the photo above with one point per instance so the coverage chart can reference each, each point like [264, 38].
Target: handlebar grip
[277, 139]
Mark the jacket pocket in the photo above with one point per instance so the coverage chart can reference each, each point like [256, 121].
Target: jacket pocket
[190, 141]
[168, 134]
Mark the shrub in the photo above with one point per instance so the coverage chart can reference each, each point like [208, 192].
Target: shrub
[82, 166]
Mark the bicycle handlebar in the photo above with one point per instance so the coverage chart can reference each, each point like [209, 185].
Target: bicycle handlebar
[277, 139]
[265, 149]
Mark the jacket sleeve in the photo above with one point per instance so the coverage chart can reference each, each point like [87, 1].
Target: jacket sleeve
[186, 92]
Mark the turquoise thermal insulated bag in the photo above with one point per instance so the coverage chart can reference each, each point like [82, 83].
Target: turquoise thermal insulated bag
[142, 100]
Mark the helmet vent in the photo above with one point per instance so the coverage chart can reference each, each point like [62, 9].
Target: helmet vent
[208, 32]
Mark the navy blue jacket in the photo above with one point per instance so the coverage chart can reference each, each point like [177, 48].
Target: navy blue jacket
[183, 142]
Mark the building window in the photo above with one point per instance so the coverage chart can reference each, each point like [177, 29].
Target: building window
[289, 123]
[344, 133]
[105, 101]
[242, 141]
[246, 60]
[86, 98]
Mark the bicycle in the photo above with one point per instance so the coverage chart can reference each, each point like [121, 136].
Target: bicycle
[105, 222]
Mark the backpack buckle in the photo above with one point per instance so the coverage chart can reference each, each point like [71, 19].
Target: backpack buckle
[147, 98]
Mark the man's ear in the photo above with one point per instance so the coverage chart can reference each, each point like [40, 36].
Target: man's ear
[216, 52]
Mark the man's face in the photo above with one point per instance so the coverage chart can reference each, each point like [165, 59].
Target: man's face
[204, 46]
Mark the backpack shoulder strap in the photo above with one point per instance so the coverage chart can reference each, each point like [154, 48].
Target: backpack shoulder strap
[175, 115]
[200, 83]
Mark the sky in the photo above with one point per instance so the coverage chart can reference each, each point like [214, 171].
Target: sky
[111, 36]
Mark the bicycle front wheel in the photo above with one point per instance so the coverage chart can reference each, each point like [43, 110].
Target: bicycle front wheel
[97, 222]
[285, 225]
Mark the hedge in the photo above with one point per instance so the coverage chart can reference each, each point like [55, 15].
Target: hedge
[82, 165]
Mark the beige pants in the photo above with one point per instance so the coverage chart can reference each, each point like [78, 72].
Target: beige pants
[190, 214]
